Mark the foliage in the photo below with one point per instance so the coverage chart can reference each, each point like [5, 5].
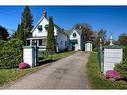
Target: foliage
[3, 33]
[112, 74]
[44, 54]
[101, 34]
[97, 79]
[87, 31]
[56, 56]
[120, 84]
[23, 29]
[23, 65]
[122, 69]
[125, 53]
[123, 39]
[11, 53]
[27, 19]
[51, 48]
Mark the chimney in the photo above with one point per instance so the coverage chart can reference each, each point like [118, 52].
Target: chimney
[44, 14]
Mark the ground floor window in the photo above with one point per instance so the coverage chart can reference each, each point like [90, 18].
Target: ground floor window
[65, 43]
[42, 42]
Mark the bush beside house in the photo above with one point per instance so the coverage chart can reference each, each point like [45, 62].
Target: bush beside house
[11, 53]
[122, 67]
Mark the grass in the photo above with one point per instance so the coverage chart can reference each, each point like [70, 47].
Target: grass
[8, 75]
[54, 57]
[97, 79]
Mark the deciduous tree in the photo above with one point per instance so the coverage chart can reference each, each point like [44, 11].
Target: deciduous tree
[123, 39]
[3, 33]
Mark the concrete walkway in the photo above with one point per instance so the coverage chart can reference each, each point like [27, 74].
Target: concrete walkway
[66, 73]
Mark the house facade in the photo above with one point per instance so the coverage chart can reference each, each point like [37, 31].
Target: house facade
[39, 35]
[76, 39]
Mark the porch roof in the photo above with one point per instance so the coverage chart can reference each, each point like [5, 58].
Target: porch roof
[37, 38]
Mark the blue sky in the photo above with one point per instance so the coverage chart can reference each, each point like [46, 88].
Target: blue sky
[111, 18]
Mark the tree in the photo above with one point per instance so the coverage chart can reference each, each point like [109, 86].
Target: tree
[123, 39]
[16, 34]
[87, 31]
[50, 37]
[3, 33]
[23, 29]
[27, 19]
[101, 34]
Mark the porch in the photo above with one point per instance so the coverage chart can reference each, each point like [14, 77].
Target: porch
[40, 42]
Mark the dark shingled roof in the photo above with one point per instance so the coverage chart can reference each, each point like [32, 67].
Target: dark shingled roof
[69, 32]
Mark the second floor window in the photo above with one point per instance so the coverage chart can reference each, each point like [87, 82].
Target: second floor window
[39, 28]
[74, 34]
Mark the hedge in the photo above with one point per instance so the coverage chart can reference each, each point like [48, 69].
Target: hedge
[10, 53]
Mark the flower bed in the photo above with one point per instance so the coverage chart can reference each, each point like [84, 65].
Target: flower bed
[23, 65]
[112, 74]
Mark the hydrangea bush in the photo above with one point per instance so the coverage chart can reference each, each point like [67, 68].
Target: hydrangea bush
[112, 74]
[23, 65]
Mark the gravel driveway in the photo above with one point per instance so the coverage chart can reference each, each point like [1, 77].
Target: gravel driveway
[66, 73]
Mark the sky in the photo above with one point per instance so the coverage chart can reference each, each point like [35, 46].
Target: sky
[111, 18]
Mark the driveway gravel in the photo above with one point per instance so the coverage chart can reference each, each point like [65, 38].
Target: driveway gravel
[66, 73]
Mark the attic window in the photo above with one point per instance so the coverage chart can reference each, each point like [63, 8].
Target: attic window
[74, 34]
[39, 27]
[46, 26]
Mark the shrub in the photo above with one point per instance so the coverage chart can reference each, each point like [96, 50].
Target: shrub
[44, 54]
[122, 69]
[10, 58]
[112, 74]
[23, 65]
[11, 53]
[125, 53]
[120, 84]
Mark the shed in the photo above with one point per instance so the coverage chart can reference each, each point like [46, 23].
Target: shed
[88, 46]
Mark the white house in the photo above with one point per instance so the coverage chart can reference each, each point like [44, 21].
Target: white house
[39, 35]
[76, 39]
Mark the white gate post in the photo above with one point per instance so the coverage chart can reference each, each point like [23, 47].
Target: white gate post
[29, 55]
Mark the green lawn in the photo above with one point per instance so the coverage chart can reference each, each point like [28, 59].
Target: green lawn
[97, 80]
[7, 75]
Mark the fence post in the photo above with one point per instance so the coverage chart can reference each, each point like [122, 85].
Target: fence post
[101, 56]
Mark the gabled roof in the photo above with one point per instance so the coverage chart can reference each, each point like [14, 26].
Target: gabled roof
[56, 26]
[37, 24]
[60, 30]
[69, 32]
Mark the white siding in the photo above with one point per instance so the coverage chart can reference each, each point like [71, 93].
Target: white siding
[88, 46]
[78, 38]
[37, 33]
[112, 57]
[61, 39]
[28, 56]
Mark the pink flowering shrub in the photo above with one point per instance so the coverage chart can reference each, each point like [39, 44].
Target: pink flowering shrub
[112, 74]
[23, 65]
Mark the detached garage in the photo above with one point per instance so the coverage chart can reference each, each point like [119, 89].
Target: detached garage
[88, 46]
